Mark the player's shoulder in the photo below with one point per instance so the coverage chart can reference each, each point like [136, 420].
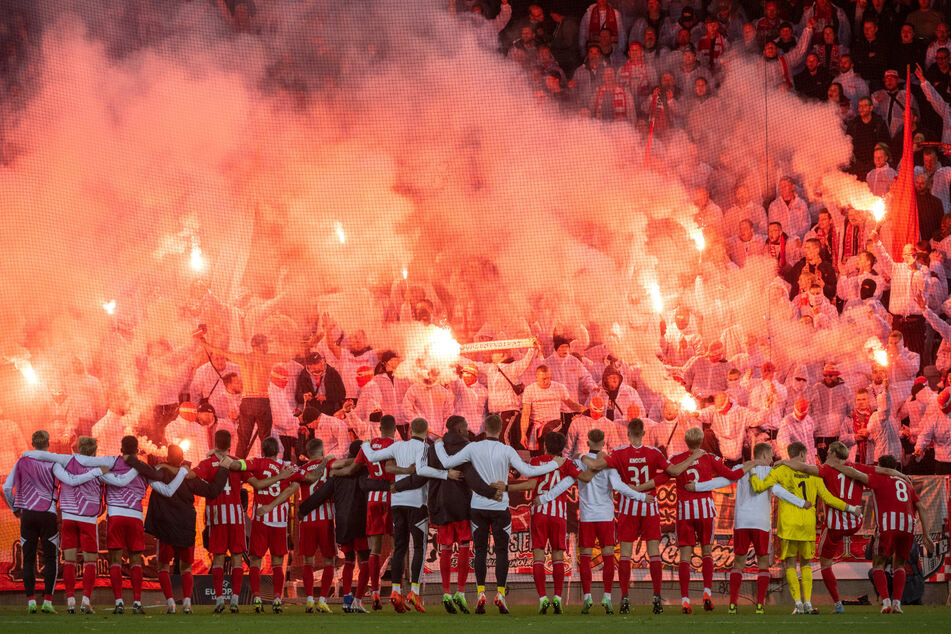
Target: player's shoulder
[537, 460]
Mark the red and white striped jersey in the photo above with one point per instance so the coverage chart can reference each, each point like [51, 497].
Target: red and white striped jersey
[559, 506]
[696, 509]
[226, 508]
[325, 511]
[846, 489]
[262, 469]
[637, 465]
[895, 502]
[698, 505]
[376, 470]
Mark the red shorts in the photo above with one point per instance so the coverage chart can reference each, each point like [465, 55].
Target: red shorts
[688, 531]
[318, 534]
[588, 532]
[125, 533]
[630, 528]
[896, 543]
[266, 538]
[166, 553]
[832, 542]
[547, 529]
[379, 520]
[743, 537]
[360, 543]
[454, 533]
[81, 535]
[224, 538]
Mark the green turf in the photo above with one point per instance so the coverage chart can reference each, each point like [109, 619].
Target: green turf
[524, 619]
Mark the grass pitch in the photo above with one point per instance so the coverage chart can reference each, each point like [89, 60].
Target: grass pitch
[523, 619]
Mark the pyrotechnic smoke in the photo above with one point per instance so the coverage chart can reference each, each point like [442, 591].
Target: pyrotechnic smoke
[375, 153]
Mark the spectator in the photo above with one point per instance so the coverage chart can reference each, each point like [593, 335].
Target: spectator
[909, 51]
[881, 177]
[812, 262]
[870, 54]
[787, 40]
[588, 77]
[612, 102]
[835, 96]
[853, 86]
[813, 82]
[867, 131]
[790, 210]
[655, 18]
[712, 45]
[744, 208]
[829, 52]
[745, 243]
[827, 15]
[564, 40]
[925, 20]
[767, 27]
[941, 41]
[889, 102]
[597, 17]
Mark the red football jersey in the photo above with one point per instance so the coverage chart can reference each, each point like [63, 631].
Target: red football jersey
[693, 505]
[376, 470]
[846, 489]
[895, 502]
[637, 465]
[559, 506]
[262, 469]
[326, 510]
[226, 508]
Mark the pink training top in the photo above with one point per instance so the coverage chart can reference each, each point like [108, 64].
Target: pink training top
[35, 485]
[129, 496]
[84, 500]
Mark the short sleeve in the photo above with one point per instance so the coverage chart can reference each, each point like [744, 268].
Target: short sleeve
[613, 461]
[361, 458]
[660, 462]
[568, 469]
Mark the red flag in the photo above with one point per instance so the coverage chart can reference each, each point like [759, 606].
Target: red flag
[650, 131]
[903, 208]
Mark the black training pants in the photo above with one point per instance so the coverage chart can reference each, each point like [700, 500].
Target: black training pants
[500, 525]
[408, 520]
[39, 526]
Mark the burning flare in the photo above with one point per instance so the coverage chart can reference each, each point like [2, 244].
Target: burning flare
[26, 369]
[110, 307]
[877, 352]
[697, 236]
[196, 261]
[688, 403]
[442, 346]
[657, 301]
[878, 210]
[338, 229]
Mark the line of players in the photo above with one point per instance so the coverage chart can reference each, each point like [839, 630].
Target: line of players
[388, 487]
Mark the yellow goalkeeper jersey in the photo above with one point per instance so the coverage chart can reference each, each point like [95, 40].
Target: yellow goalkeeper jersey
[795, 523]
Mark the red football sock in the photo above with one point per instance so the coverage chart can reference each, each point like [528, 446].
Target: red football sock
[218, 580]
[277, 576]
[237, 578]
[445, 569]
[684, 579]
[736, 578]
[115, 578]
[346, 577]
[375, 572]
[462, 561]
[558, 574]
[89, 579]
[326, 579]
[607, 571]
[538, 572]
[881, 583]
[584, 570]
[762, 585]
[832, 586]
[187, 581]
[657, 572]
[254, 577]
[898, 583]
[363, 575]
[69, 578]
[137, 583]
[307, 574]
[624, 574]
[707, 572]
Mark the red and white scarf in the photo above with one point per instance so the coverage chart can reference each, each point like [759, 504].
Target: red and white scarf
[777, 251]
[619, 105]
[595, 25]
